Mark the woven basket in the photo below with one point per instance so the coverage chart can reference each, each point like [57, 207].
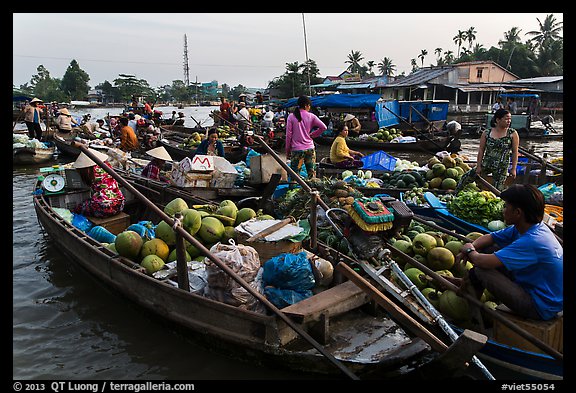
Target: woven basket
[266, 249]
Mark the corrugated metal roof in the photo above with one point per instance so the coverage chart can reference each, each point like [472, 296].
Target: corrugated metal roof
[421, 76]
[540, 79]
[353, 86]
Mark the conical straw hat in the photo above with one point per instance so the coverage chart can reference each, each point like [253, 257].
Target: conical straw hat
[83, 161]
[160, 153]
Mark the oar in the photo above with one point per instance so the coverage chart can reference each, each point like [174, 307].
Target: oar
[199, 125]
[438, 318]
[217, 261]
[528, 154]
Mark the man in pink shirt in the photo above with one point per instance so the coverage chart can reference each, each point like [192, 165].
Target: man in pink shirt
[299, 144]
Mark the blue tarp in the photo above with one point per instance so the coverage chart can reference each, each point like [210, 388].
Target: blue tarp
[520, 95]
[339, 101]
[386, 118]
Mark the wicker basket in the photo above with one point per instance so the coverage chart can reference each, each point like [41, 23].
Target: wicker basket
[266, 249]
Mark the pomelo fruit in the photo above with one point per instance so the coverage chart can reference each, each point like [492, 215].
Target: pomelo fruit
[165, 232]
[173, 256]
[453, 306]
[473, 235]
[192, 221]
[433, 296]
[152, 263]
[174, 206]
[423, 243]
[211, 230]
[244, 214]
[112, 246]
[404, 246]
[193, 250]
[155, 246]
[448, 184]
[417, 277]
[440, 258]
[128, 244]
[454, 246]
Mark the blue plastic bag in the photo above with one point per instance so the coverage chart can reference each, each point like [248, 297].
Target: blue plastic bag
[145, 229]
[101, 234]
[251, 153]
[284, 297]
[289, 271]
[82, 223]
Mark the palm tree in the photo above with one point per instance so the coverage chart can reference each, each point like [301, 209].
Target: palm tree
[292, 70]
[421, 56]
[511, 37]
[414, 64]
[549, 30]
[470, 36]
[370, 64]
[459, 39]
[386, 67]
[448, 57]
[478, 51]
[354, 59]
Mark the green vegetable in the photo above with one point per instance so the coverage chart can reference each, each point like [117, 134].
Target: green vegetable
[476, 207]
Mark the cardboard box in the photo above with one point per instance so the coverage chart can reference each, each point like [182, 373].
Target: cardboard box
[114, 224]
[202, 163]
[263, 167]
[224, 174]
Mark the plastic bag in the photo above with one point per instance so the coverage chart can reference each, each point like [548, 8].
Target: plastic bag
[82, 223]
[101, 234]
[287, 279]
[145, 229]
[251, 153]
[244, 262]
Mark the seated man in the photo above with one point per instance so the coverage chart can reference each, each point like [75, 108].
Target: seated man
[526, 272]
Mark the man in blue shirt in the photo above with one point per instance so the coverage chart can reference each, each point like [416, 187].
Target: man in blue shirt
[526, 271]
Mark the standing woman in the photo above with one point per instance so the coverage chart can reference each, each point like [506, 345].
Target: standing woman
[106, 198]
[497, 144]
[299, 144]
[32, 119]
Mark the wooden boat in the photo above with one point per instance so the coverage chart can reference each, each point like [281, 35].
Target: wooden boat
[30, 155]
[355, 341]
[430, 145]
[181, 128]
[173, 140]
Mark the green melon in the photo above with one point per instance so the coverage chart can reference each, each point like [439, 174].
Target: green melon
[173, 256]
[128, 244]
[192, 221]
[244, 214]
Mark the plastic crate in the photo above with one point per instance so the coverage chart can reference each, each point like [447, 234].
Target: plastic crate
[379, 160]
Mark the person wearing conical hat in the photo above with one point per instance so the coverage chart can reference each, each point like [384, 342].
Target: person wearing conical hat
[32, 118]
[159, 157]
[353, 124]
[64, 121]
[106, 198]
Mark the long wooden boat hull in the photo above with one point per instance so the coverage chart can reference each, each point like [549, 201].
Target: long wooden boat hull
[374, 343]
[28, 156]
[435, 144]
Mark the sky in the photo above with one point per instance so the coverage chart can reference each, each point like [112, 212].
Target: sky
[249, 49]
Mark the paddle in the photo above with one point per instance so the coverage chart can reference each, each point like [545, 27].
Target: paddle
[217, 261]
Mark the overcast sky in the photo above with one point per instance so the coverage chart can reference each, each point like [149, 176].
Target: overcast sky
[248, 49]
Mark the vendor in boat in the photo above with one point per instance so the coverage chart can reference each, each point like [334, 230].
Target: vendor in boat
[526, 271]
[106, 198]
[128, 139]
[154, 168]
[211, 146]
[32, 118]
[353, 124]
[340, 154]
[64, 121]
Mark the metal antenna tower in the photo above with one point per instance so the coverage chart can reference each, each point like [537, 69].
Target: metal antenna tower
[186, 68]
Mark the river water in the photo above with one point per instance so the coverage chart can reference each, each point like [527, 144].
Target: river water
[67, 326]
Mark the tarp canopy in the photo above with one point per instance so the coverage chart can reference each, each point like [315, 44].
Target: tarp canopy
[520, 95]
[387, 113]
[340, 101]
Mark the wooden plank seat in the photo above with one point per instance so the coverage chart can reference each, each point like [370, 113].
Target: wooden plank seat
[315, 312]
[115, 224]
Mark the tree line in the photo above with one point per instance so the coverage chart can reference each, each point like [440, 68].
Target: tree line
[541, 54]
